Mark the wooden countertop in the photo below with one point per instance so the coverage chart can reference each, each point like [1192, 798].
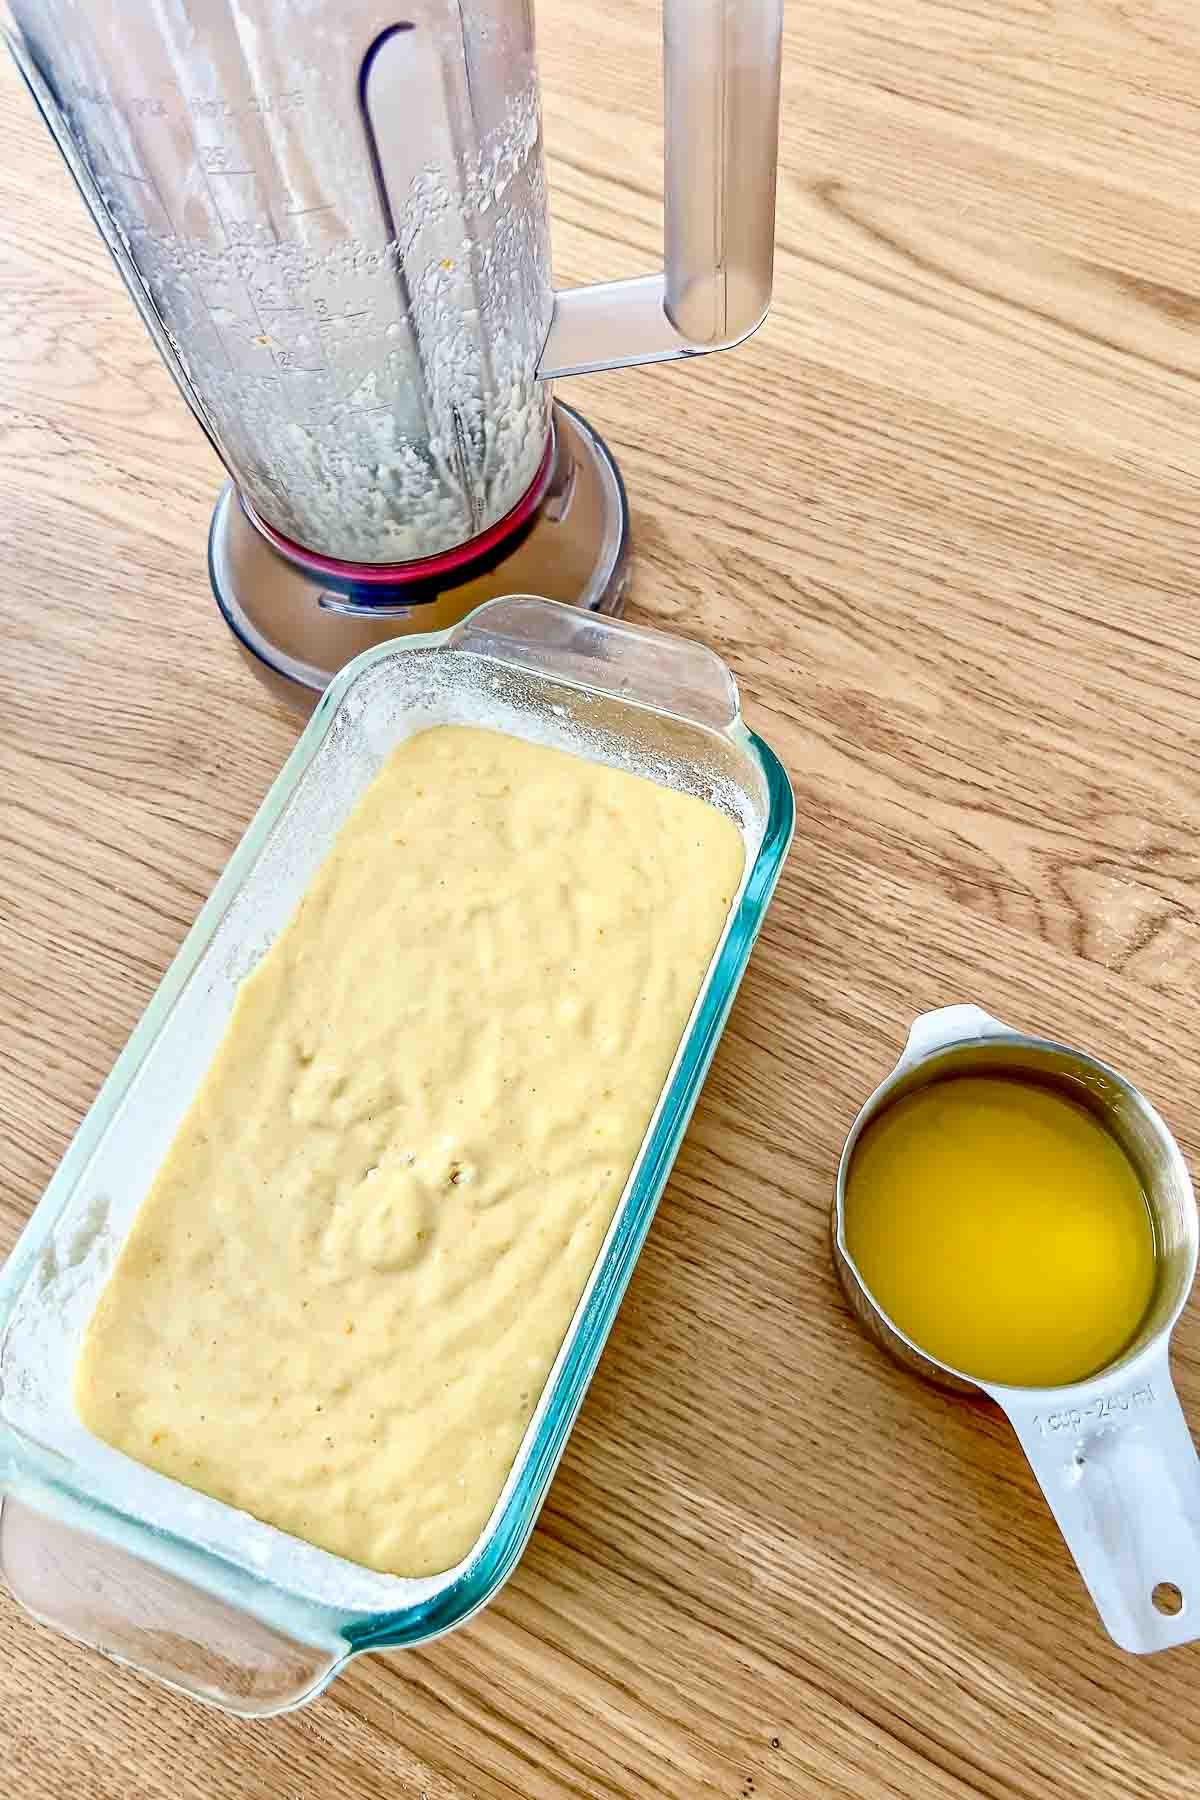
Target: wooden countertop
[942, 518]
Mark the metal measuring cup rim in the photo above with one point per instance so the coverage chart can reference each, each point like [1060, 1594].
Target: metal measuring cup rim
[936, 1037]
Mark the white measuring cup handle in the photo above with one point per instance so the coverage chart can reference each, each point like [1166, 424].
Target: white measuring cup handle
[1116, 1462]
[946, 1026]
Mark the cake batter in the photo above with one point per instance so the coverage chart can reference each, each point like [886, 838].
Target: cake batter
[340, 1300]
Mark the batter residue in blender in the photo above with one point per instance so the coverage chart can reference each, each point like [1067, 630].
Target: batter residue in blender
[341, 1298]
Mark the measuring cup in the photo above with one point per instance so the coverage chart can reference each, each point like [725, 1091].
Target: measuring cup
[1113, 1454]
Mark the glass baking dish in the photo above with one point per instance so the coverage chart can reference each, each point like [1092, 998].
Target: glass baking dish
[182, 1586]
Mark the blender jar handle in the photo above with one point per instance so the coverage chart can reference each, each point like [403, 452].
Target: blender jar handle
[721, 61]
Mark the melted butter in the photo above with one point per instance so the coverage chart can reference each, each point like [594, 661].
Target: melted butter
[340, 1300]
[1002, 1228]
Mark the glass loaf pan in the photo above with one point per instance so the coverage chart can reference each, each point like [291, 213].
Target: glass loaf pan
[185, 1587]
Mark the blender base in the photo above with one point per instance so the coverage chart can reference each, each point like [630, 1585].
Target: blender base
[296, 630]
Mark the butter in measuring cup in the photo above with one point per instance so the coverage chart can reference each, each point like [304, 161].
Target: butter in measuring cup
[1013, 1216]
[1002, 1227]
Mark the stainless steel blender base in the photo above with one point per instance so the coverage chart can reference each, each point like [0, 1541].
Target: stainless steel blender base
[297, 631]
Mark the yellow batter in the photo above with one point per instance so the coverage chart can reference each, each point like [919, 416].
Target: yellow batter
[340, 1300]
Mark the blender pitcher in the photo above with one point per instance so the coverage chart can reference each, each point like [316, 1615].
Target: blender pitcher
[333, 221]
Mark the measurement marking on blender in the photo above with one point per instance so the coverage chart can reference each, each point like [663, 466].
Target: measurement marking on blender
[217, 332]
[166, 211]
[290, 101]
[92, 96]
[291, 368]
[326, 325]
[208, 109]
[235, 232]
[1111, 1407]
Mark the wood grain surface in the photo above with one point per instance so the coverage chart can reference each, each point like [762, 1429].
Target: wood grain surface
[941, 516]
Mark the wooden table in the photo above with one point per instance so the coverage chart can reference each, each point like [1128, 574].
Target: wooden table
[942, 518]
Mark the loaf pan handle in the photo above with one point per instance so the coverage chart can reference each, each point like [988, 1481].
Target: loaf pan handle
[673, 675]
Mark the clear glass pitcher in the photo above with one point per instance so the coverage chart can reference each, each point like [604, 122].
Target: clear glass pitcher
[334, 222]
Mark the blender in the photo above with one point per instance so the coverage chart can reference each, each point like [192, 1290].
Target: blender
[333, 221]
